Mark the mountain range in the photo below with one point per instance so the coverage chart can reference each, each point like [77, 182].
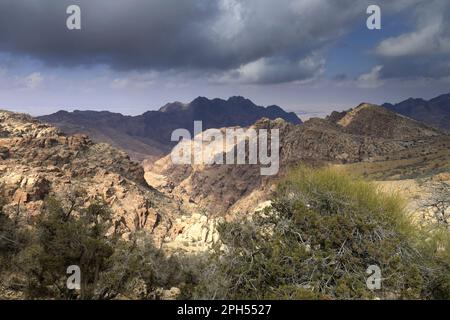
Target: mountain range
[179, 205]
[148, 135]
[435, 111]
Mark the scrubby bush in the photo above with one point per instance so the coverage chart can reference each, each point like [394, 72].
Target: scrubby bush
[138, 270]
[61, 238]
[73, 232]
[317, 240]
[434, 246]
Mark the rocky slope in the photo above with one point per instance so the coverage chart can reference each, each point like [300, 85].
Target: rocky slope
[367, 134]
[375, 121]
[37, 161]
[420, 194]
[148, 135]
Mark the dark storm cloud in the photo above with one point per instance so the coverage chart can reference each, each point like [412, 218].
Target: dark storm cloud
[251, 41]
[125, 34]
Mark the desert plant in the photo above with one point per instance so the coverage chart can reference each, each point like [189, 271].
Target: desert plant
[75, 232]
[62, 239]
[322, 232]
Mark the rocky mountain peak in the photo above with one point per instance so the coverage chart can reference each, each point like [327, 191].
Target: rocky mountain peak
[174, 107]
[376, 121]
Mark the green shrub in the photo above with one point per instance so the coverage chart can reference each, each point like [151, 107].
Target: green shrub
[323, 231]
[61, 238]
[72, 233]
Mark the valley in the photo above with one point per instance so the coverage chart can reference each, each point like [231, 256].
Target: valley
[183, 206]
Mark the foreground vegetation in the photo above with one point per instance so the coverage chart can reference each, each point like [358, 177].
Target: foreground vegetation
[34, 261]
[316, 241]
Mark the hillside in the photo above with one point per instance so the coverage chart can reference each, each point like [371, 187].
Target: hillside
[366, 136]
[148, 135]
[38, 161]
[376, 121]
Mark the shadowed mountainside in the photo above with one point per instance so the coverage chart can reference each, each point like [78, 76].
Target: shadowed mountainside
[434, 112]
[148, 135]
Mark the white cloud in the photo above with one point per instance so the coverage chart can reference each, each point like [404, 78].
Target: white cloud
[423, 52]
[120, 83]
[266, 70]
[429, 39]
[370, 79]
[134, 80]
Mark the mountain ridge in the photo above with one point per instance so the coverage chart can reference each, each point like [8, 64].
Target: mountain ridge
[377, 121]
[435, 111]
[149, 134]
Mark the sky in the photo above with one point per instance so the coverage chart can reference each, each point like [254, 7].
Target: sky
[307, 56]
